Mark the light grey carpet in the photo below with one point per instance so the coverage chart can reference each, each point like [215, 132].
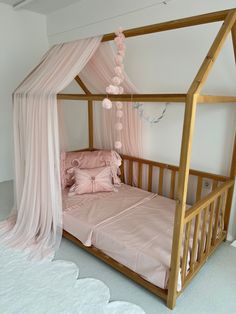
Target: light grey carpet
[52, 287]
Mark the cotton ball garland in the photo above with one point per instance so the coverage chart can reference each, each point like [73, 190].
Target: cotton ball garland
[119, 40]
[119, 60]
[116, 80]
[121, 46]
[118, 145]
[118, 70]
[119, 105]
[122, 77]
[119, 31]
[111, 89]
[119, 126]
[121, 90]
[108, 89]
[119, 113]
[106, 103]
[114, 88]
[121, 53]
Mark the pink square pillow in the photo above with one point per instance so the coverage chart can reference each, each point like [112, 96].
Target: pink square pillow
[88, 160]
[92, 180]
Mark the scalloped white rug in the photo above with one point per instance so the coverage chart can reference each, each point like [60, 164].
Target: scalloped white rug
[30, 287]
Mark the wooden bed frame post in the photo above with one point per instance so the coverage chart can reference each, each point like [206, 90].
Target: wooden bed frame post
[187, 137]
[90, 110]
[188, 127]
[233, 32]
[90, 123]
[231, 191]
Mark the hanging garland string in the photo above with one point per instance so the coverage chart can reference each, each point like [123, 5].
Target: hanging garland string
[115, 88]
[147, 118]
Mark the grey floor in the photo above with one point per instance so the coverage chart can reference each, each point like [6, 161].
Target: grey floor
[212, 291]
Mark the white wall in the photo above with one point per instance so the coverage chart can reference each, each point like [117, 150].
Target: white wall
[166, 62]
[23, 41]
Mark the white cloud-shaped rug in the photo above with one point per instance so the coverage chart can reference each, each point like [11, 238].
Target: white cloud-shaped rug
[29, 287]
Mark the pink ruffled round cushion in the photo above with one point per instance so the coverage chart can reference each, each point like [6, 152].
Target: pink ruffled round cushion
[92, 180]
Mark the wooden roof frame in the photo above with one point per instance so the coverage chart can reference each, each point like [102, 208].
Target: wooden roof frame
[190, 99]
[228, 18]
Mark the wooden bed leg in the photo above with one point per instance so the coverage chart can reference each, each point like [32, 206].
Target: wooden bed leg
[188, 127]
[231, 190]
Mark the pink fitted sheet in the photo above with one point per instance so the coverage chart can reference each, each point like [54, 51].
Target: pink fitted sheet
[83, 213]
[141, 239]
[132, 226]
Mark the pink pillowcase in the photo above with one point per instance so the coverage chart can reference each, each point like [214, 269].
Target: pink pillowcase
[92, 180]
[88, 160]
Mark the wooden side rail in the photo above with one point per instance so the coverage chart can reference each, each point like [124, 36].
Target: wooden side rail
[204, 230]
[162, 178]
[194, 210]
[118, 266]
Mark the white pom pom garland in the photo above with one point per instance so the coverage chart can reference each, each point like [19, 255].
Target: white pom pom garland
[118, 144]
[119, 105]
[116, 80]
[118, 70]
[121, 90]
[119, 126]
[118, 60]
[115, 88]
[106, 103]
[119, 113]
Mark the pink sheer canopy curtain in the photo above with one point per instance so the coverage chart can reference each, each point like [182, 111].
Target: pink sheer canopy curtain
[97, 75]
[36, 219]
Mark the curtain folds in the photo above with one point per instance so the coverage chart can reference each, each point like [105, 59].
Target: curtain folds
[36, 220]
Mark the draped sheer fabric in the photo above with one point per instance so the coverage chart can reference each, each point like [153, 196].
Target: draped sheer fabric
[35, 221]
[97, 76]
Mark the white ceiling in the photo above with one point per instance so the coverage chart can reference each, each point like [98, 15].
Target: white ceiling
[40, 6]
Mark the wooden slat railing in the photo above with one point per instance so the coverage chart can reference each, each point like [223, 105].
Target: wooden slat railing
[140, 174]
[150, 169]
[162, 178]
[204, 221]
[204, 230]
[160, 183]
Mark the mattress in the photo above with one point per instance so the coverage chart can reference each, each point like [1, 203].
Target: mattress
[131, 225]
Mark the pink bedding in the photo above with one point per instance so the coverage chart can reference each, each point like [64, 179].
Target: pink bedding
[141, 239]
[86, 212]
[132, 226]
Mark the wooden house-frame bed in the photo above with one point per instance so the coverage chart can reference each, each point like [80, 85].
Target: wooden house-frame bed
[205, 215]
